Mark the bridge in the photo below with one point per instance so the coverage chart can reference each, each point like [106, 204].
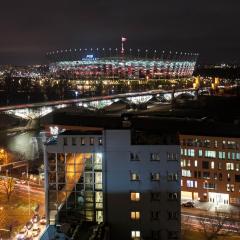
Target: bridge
[38, 110]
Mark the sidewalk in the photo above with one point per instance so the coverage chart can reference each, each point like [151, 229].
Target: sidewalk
[210, 209]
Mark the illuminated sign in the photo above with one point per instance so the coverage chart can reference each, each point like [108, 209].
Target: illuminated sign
[89, 57]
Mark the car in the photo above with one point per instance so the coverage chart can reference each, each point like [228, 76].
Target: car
[35, 218]
[188, 204]
[22, 235]
[43, 220]
[35, 230]
[29, 225]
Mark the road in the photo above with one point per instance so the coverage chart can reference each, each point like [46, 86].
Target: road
[89, 99]
[225, 224]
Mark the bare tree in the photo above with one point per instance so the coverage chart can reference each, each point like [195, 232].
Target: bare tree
[186, 227]
[8, 185]
[213, 226]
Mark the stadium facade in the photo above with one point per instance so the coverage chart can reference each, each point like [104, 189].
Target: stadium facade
[108, 63]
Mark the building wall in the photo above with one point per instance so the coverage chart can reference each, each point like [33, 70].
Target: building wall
[118, 188]
[157, 212]
[211, 165]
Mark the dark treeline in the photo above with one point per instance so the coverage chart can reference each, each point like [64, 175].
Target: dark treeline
[224, 72]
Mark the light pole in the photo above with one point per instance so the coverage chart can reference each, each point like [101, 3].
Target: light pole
[29, 200]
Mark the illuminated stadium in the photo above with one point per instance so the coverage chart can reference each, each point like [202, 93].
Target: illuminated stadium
[114, 63]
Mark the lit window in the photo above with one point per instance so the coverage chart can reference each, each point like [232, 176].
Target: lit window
[82, 141]
[191, 152]
[135, 215]
[237, 166]
[91, 141]
[207, 185]
[210, 154]
[195, 163]
[155, 176]
[221, 155]
[191, 184]
[135, 196]
[229, 166]
[134, 177]
[186, 173]
[155, 157]
[135, 235]
[99, 141]
[200, 153]
[212, 165]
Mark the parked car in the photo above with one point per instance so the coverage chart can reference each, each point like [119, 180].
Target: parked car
[22, 235]
[188, 204]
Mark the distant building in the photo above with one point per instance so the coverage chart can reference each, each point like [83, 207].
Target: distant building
[126, 178]
[210, 168]
[112, 64]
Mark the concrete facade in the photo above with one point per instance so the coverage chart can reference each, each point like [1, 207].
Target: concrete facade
[140, 188]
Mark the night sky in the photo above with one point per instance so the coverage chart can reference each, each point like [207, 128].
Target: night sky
[31, 28]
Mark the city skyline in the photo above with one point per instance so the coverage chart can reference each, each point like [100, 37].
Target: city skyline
[30, 30]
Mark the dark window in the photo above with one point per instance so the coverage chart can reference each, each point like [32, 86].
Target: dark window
[220, 176]
[155, 215]
[172, 235]
[134, 157]
[155, 196]
[237, 178]
[172, 215]
[65, 142]
[74, 143]
[172, 196]
[205, 165]
[206, 174]
[156, 235]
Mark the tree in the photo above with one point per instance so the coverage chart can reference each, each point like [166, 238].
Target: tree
[213, 226]
[186, 226]
[8, 185]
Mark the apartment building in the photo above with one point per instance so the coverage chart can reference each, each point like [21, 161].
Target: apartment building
[127, 178]
[210, 168]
